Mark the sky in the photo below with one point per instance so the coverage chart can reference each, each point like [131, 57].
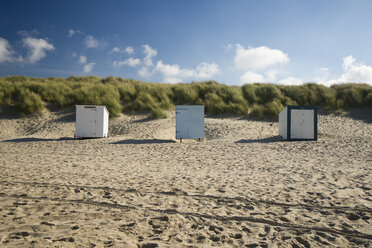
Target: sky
[233, 42]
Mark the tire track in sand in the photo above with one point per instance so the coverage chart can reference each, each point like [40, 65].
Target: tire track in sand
[185, 194]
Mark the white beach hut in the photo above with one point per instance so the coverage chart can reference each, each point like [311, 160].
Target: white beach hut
[91, 121]
[299, 123]
[190, 122]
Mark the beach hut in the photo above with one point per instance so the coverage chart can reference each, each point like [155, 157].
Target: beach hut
[91, 121]
[190, 122]
[299, 123]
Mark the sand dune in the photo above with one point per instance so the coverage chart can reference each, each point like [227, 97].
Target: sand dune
[241, 187]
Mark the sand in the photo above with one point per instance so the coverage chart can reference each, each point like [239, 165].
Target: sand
[241, 187]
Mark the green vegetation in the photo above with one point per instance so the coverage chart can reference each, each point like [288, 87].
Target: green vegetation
[29, 95]
[28, 102]
[157, 113]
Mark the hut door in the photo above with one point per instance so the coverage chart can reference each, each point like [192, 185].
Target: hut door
[308, 124]
[302, 124]
[182, 130]
[91, 121]
[196, 123]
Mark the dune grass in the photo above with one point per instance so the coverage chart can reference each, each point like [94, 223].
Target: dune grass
[29, 95]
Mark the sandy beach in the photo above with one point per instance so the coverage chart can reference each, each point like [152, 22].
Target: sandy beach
[241, 187]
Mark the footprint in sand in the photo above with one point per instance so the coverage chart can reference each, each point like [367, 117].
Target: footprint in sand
[149, 245]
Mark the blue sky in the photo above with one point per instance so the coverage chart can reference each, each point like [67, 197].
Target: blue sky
[232, 42]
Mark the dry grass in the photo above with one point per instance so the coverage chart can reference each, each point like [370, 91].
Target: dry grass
[127, 95]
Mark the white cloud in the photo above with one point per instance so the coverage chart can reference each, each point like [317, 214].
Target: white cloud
[144, 72]
[259, 58]
[174, 73]
[118, 63]
[172, 80]
[348, 62]
[37, 48]
[206, 70]
[170, 73]
[271, 75]
[291, 81]
[24, 33]
[355, 72]
[130, 62]
[115, 50]
[6, 53]
[133, 62]
[88, 67]
[149, 52]
[71, 32]
[82, 60]
[91, 42]
[228, 47]
[251, 77]
[129, 50]
[359, 74]
[330, 82]
[268, 76]
[73, 54]
[321, 76]
[259, 63]
[352, 72]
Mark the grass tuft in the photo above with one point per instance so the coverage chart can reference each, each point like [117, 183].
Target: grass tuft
[28, 102]
[258, 111]
[157, 113]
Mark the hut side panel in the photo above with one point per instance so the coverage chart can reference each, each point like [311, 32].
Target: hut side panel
[283, 116]
[105, 114]
[101, 122]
